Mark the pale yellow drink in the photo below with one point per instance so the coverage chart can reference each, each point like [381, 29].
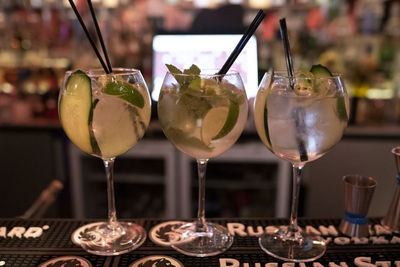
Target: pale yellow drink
[114, 122]
[105, 115]
[205, 120]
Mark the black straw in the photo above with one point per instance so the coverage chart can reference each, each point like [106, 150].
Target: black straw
[88, 36]
[103, 46]
[243, 41]
[288, 54]
[289, 66]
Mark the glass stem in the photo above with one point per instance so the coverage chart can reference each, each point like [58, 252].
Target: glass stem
[297, 172]
[112, 214]
[201, 212]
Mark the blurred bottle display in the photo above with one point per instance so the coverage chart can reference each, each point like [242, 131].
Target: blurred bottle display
[42, 38]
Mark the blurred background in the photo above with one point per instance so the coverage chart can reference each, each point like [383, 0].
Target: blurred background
[41, 39]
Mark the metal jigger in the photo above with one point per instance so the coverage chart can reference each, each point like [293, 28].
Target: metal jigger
[358, 191]
[392, 218]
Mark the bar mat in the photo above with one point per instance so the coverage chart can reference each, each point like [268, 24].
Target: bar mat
[35, 242]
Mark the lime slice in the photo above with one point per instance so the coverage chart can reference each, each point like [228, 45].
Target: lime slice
[213, 123]
[231, 120]
[125, 91]
[117, 125]
[76, 110]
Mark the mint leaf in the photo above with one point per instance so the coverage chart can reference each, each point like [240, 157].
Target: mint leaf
[173, 69]
[192, 80]
[125, 91]
[195, 105]
[193, 70]
[195, 84]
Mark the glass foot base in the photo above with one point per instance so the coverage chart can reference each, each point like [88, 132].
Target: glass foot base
[98, 238]
[215, 240]
[300, 247]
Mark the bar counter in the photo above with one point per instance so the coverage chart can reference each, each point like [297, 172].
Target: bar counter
[34, 242]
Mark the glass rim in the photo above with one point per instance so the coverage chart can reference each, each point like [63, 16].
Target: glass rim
[207, 73]
[280, 74]
[95, 72]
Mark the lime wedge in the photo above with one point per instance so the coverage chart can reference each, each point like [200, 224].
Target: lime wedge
[125, 91]
[231, 120]
[213, 123]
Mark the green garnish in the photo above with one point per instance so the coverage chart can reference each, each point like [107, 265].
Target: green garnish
[341, 108]
[193, 70]
[194, 87]
[195, 105]
[266, 124]
[191, 81]
[125, 91]
[173, 69]
[76, 111]
[91, 110]
[93, 141]
[266, 128]
[320, 71]
[231, 120]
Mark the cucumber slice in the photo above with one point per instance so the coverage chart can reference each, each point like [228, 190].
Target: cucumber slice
[341, 109]
[320, 71]
[265, 117]
[75, 110]
[261, 109]
[320, 85]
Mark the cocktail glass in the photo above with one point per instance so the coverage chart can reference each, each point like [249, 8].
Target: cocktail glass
[105, 115]
[299, 120]
[203, 116]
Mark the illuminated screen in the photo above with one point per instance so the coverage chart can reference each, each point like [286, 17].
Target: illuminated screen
[207, 52]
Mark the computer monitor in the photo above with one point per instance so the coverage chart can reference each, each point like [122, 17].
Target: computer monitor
[207, 51]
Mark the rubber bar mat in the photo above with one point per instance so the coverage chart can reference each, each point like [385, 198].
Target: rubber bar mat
[48, 241]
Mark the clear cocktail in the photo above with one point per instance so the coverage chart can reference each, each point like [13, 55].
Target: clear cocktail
[105, 115]
[299, 119]
[203, 115]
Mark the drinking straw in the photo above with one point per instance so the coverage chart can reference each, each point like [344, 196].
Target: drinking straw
[103, 46]
[289, 66]
[88, 36]
[243, 41]
[288, 54]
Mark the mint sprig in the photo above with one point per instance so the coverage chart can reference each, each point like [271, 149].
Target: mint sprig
[192, 80]
[125, 91]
